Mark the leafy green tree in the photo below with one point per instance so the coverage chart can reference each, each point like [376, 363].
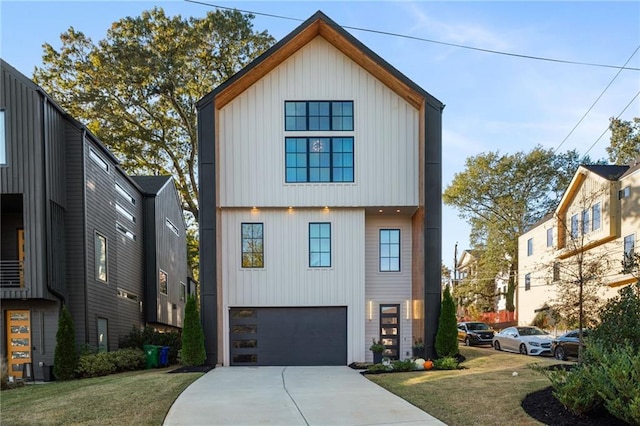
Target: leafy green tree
[501, 196]
[193, 350]
[137, 88]
[624, 145]
[447, 334]
[65, 357]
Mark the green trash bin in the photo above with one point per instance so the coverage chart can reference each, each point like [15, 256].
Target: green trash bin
[152, 356]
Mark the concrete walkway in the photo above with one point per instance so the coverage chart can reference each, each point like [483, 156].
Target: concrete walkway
[291, 396]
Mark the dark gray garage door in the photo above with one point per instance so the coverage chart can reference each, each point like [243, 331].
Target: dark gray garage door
[288, 336]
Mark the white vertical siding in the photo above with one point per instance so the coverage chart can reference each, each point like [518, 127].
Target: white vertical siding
[286, 279]
[387, 287]
[251, 136]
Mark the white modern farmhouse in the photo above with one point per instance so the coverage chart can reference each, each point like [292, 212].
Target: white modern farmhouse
[320, 206]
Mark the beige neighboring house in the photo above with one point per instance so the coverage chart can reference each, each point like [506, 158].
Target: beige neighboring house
[600, 214]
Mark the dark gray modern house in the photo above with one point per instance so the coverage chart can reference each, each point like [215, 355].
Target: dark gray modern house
[320, 206]
[77, 230]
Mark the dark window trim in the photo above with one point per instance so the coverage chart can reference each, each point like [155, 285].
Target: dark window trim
[105, 347]
[242, 252]
[161, 271]
[530, 247]
[124, 193]
[550, 237]
[4, 146]
[98, 160]
[331, 166]
[171, 226]
[380, 257]
[527, 282]
[125, 213]
[97, 236]
[331, 116]
[126, 232]
[320, 252]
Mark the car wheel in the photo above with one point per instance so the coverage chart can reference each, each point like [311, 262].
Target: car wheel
[559, 354]
[467, 341]
[496, 345]
[523, 349]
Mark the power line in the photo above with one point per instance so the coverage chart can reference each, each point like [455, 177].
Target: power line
[597, 99]
[426, 40]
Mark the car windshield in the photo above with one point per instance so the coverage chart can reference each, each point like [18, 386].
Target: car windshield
[477, 326]
[526, 331]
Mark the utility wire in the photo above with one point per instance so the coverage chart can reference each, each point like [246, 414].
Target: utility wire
[426, 40]
[596, 101]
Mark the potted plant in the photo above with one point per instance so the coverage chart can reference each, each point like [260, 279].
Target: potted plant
[418, 348]
[377, 348]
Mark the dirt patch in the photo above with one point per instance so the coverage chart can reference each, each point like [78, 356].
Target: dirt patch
[545, 408]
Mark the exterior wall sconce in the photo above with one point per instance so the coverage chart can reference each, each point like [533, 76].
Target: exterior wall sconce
[408, 309]
[370, 316]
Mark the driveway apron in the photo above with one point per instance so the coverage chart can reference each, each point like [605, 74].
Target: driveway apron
[291, 396]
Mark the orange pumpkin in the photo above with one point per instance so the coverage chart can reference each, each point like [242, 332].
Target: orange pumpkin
[428, 365]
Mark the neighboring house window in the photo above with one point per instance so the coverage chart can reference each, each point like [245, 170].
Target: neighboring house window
[125, 231]
[252, 245]
[389, 250]
[125, 213]
[313, 116]
[629, 243]
[171, 226]
[595, 217]
[103, 335]
[96, 158]
[162, 282]
[3, 140]
[101, 257]
[556, 271]
[125, 194]
[183, 292]
[624, 192]
[586, 225]
[550, 237]
[574, 226]
[527, 282]
[125, 294]
[319, 245]
[319, 159]
[530, 247]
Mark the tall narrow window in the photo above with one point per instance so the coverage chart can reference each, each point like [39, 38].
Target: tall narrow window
[319, 245]
[162, 282]
[629, 246]
[550, 237]
[389, 250]
[183, 292]
[574, 226]
[3, 141]
[530, 247]
[252, 245]
[595, 216]
[103, 335]
[586, 225]
[527, 282]
[556, 271]
[101, 257]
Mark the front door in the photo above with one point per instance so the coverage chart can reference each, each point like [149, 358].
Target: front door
[21, 255]
[18, 341]
[390, 330]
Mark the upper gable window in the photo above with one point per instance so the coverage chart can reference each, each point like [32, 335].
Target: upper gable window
[96, 158]
[318, 115]
[624, 192]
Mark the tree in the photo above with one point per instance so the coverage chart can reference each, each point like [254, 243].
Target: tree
[447, 334]
[193, 350]
[501, 196]
[445, 274]
[65, 357]
[137, 89]
[624, 145]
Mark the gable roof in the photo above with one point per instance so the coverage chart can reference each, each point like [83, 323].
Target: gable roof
[609, 172]
[151, 184]
[320, 24]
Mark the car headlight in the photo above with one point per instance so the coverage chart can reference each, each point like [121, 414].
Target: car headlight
[536, 344]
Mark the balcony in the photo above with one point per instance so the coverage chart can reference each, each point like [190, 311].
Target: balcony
[11, 274]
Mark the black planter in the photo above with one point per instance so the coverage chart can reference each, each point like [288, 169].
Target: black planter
[418, 352]
[377, 357]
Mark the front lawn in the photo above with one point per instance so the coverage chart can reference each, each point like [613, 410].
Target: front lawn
[138, 397]
[485, 393]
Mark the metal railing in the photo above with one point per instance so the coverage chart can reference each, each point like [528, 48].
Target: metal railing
[11, 273]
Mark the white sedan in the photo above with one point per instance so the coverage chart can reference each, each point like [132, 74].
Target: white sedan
[525, 340]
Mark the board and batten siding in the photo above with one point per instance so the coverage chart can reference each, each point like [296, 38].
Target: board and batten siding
[251, 136]
[388, 288]
[287, 279]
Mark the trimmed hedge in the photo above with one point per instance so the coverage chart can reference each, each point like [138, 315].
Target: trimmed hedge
[105, 363]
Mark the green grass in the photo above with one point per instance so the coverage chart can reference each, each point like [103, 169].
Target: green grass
[485, 393]
[139, 397]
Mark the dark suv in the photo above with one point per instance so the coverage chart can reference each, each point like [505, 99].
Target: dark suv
[475, 333]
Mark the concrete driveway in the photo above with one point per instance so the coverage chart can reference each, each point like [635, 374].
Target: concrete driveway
[291, 396]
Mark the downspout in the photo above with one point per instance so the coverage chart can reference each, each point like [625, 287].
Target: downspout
[84, 234]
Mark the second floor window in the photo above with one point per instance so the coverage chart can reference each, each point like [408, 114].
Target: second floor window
[586, 225]
[527, 282]
[595, 217]
[574, 226]
[550, 237]
[530, 247]
[101, 257]
[318, 115]
[252, 245]
[319, 159]
[319, 245]
[163, 282]
[389, 250]
[629, 246]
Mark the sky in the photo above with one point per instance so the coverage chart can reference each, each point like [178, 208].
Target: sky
[494, 102]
